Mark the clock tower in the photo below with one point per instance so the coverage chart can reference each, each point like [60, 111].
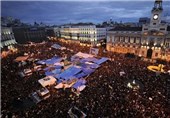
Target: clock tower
[156, 13]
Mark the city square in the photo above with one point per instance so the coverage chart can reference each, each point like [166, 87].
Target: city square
[86, 70]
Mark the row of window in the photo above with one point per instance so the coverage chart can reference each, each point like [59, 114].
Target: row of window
[126, 32]
[87, 29]
[159, 29]
[128, 39]
[6, 37]
[6, 33]
[136, 51]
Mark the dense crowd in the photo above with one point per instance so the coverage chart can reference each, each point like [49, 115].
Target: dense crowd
[106, 94]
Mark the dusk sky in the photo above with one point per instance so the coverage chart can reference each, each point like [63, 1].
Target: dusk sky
[58, 12]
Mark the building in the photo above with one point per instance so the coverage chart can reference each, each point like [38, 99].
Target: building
[144, 20]
[7, 37]
[152, 40]
[25, 34]
[84, 33]
[53, 31]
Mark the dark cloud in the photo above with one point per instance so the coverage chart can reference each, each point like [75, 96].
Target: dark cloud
[57, 12]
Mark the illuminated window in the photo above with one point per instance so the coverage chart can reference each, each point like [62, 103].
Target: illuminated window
[132, 40]
[137, 40]
[126, 39]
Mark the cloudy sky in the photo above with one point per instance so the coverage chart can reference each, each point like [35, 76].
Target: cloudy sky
[59, 12]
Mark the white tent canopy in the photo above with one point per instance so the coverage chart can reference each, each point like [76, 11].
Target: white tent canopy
[49, 80]
[83, 55]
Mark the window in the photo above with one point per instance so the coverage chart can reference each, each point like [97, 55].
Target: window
[126, 39]
[156, 54]
[121, 39]
[167, 45]
[132, 40]
[162, 28]
[154, 23]
[137, 40]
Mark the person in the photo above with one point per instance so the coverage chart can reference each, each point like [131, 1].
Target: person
[106, 94]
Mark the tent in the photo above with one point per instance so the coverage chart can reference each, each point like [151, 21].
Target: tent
[21, 58]
[80, 75]
[92, 65]
[81, 88]
[34, 96]
[56, 46]
[27, 72]
[41, 62]
[83, 55]
[43, 91]
[47, 81]
[102, 60]
[38, 68]
[90, 59]
[88, 70]
[53, 60]
[70, 72]
[67, 84]
[80, 84]
[48, 73]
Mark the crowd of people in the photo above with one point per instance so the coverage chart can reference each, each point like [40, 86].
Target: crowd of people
[106, 94]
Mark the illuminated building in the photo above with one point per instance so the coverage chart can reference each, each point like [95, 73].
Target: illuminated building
[7, 37]
[152, 40]
[89, 33]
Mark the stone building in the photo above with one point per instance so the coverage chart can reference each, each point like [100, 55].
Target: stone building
[84, 33]
[7, 37]
[152, 40]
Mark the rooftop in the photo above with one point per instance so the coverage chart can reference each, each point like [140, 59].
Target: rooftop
[126, 29]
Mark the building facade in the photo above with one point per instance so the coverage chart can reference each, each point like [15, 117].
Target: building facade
[150, 41]
[53, 32]
[84, 33]
[7, 37]
[25, 34]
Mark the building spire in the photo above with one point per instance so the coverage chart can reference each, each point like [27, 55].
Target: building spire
[157, 5]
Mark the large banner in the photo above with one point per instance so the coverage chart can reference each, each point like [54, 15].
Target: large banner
[94, 51]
